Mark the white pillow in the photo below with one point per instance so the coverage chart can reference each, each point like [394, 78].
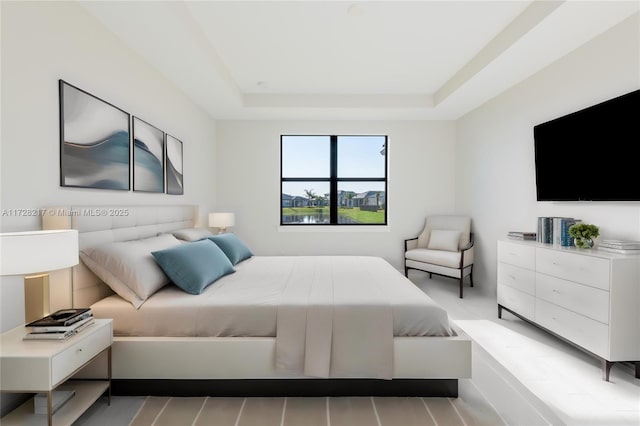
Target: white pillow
[192, 234]
[128, 267]
[444, 240]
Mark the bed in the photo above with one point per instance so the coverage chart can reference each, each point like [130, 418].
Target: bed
[277, 325]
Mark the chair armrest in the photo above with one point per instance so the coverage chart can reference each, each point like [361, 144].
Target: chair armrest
[468, 246]
[410, 244]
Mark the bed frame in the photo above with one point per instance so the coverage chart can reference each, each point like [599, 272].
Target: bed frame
[228, 366]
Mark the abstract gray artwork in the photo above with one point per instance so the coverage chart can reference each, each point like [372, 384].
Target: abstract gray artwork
[148, 155]
[174, 166]
[94, 141]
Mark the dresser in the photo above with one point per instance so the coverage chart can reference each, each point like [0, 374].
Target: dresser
[586, 297]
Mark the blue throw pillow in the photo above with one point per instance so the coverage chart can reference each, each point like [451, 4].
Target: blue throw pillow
[231, 245]
[194, 266]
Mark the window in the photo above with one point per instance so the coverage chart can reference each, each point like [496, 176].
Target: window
[333, 180]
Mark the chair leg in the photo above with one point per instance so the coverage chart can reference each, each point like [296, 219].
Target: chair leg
[461, 279]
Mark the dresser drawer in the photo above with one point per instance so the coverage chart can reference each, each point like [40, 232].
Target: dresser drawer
[516, 277]
[517, 301]
[590, 270]
[588, 301]
[76, 355]
[517, 254]
[590, 334]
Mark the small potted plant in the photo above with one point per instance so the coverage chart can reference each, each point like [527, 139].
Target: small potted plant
[584, 234]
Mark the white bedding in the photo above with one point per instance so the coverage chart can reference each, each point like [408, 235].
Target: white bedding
[332, 316]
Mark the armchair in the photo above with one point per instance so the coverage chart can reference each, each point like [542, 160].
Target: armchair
[444, 247]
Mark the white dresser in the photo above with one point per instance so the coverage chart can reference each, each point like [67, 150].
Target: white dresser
[587, 297]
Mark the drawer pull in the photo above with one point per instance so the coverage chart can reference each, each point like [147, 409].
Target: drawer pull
[79, 350]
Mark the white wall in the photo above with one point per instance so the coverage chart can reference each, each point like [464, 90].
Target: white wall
[44, 42]
[495, 177]
[421, 182]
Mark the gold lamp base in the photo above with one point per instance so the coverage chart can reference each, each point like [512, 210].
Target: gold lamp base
[36, 297]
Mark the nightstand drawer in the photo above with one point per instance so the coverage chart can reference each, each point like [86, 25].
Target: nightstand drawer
[590, 270]
[517, 254]
[76, 355]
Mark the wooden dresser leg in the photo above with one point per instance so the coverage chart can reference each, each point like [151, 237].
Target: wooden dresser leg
[637, 369]
[499, 312]
[606, 368]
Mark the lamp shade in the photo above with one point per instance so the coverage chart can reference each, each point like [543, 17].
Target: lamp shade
[37, 251]
[221, 220]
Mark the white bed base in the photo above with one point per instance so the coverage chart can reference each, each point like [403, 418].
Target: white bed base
[212, 358]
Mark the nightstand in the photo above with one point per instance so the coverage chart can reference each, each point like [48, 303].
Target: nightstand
[44, 366]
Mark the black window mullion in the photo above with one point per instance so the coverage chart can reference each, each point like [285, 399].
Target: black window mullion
[333, 184]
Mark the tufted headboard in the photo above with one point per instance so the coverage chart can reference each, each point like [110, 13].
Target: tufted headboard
[102, 224]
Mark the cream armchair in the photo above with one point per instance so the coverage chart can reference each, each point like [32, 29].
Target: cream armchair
[445, 247]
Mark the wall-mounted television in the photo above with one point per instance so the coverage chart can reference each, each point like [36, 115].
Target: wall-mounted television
[592, 154]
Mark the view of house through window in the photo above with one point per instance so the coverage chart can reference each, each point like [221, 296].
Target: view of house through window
[333, 180]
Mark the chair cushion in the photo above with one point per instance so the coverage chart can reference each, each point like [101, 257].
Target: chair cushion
[444, 240]
[449, 259]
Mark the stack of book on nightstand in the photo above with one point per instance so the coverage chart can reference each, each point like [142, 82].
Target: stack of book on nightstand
[620, 246]
[60, 325]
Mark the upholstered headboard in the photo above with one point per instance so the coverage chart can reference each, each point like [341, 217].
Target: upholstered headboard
[102, 224]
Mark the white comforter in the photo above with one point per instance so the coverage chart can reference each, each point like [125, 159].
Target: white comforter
[332, 316]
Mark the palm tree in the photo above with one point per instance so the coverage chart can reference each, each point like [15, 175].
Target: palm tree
[310, 196]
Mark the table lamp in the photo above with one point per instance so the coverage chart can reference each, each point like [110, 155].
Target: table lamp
[221, 221]
[32, 254]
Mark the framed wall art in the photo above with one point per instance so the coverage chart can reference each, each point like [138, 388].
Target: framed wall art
[173, 166]
[148, 157]
[94, 141]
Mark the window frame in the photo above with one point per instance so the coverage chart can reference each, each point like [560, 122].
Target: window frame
[334, 180]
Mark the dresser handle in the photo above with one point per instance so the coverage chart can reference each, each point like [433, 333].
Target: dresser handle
[79, 350]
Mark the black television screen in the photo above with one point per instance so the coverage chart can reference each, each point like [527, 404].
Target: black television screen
[592, 154]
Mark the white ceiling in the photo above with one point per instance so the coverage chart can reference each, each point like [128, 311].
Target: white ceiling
[352, 60]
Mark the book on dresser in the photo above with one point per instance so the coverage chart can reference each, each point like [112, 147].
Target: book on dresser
[620, 246]
[520, 235]
[555, 230]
